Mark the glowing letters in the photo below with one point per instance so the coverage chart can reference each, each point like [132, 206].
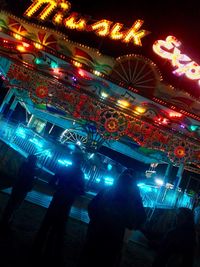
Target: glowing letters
[43, 9]
[169, 49]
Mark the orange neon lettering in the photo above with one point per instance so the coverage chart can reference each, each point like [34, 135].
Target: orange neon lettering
[74, 22]
[43, 9]
[48, 7]
[101, 27]
[135, 34]
[115, 31]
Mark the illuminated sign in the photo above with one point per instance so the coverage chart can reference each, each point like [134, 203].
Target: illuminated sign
[44, 9]
[183, 64]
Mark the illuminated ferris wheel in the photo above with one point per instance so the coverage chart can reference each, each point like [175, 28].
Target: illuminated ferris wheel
[136, 71]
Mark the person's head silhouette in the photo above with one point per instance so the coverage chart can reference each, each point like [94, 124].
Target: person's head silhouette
[32, 160]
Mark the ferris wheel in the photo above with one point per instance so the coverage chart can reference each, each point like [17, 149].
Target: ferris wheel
[136, 71]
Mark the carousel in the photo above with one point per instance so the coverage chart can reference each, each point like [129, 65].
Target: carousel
[75, 97]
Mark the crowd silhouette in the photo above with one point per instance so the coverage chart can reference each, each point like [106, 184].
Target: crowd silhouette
[112, 212]
[24, 184]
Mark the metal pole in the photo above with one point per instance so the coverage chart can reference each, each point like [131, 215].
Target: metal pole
[179, 174]
[167, 172]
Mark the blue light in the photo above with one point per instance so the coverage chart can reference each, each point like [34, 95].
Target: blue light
[109, 167]
[159, 181]
[98, 180]
[36, 142]
[86, 176]
[64, 162]
[72, 146]
[21, 133]
[91, 156]
[108, 181]
[141, 184]
[48, 154]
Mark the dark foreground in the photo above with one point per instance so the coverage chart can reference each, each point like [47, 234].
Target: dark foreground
[16, 244]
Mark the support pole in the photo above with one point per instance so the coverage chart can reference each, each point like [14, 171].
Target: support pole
[167, 172]
[179, 175]
[12, 108]
[6, 100]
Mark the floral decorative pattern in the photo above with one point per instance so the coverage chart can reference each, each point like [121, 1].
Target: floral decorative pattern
[41, 91]
[112, 124]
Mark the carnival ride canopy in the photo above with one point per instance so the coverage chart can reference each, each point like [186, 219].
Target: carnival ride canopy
[125, 100]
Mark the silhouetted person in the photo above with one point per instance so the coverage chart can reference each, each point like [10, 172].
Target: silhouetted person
[177, 247]
[111, 212]
[69, 183]
[23, 184]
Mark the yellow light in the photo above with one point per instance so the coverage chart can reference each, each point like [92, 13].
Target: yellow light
[123, 103]
[140, 110]
[21, 48]
[17, 36]
[73, 22]
[96, 72]
[175, 114]
[115, 32]
[77, 64]
[58, 18]
[104, 95]
[102, 27]
[135, 34]
[25, 45]
[38, 46]
[48, 7]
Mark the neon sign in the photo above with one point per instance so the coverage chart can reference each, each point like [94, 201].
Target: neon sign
[60, 8]
[184, 65]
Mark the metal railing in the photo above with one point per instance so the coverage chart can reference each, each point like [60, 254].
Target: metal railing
[26, 141]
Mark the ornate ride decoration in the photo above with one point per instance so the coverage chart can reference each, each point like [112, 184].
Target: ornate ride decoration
[179, 151]
[111, 124]
[41, 91]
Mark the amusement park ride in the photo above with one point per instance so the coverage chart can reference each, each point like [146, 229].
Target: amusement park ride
[124, 103]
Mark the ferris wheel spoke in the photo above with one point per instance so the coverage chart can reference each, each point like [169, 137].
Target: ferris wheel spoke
[140, 71]
[146, 86]
[143, 76]
[120, 75]
[130, 70]
[142, 82]
[134, 71]
[125, 72]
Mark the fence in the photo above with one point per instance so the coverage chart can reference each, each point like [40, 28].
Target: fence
[49, 153]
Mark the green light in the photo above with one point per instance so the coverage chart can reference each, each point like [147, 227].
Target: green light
[37, 61]
[193, 128]
[54, 65]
